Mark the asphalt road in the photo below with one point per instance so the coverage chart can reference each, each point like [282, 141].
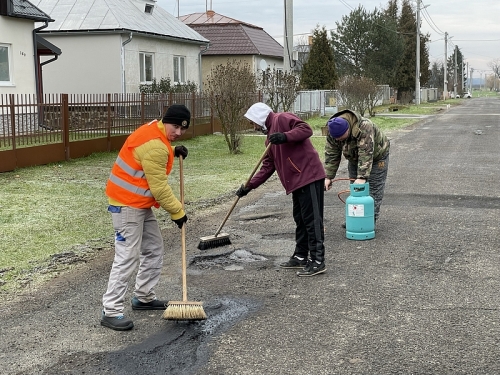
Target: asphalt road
[420, 298]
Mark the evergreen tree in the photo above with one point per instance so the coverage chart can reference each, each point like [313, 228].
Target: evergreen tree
[405, 78]
[352, 42]
[461, 76]
[319, 72]
[368, 45]
[424, 60]
[436, 75]
[391, 11]
[407, 67]
[386, 49]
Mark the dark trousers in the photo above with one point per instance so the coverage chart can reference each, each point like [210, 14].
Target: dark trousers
[308, 215]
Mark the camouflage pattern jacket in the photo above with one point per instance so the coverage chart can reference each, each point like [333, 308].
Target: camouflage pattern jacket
[365, 145]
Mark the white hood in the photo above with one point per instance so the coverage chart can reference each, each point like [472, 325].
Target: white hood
[258, 113]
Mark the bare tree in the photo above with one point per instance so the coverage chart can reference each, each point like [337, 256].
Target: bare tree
[495, 66]
[231, 89]
[280, 88]
[359, 93]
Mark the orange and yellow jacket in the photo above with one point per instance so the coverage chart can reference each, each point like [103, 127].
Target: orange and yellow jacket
[139, 177]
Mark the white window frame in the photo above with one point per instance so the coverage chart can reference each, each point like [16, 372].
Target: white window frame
[10, 82]
[143, 69]
[179, 69]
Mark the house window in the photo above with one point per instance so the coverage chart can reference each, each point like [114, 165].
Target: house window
[146, 67]
[179, 69]
[5, 68]
[149, 8]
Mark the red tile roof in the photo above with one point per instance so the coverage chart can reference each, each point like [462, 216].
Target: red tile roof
[228, 36]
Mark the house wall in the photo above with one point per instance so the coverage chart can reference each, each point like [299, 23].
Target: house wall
[210, 62]
[18, 33]
[89, 64]
[93, 63]
[261, 61]
[164, 51]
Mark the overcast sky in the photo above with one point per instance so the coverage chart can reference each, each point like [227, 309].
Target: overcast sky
[473, 25]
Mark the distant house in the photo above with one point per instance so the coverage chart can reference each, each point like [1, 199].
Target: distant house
[113, 46]
[22, 47]
[231, 39]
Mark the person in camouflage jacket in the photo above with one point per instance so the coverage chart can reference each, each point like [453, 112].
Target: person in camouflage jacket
[365, 147]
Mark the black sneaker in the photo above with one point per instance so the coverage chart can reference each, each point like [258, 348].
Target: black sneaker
[343, 225]
[155, 304]
[294, 262]
[118, 323]
[312, 268]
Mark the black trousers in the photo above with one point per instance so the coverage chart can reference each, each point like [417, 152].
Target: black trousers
[308, 203]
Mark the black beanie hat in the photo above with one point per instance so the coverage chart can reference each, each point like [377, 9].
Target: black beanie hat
[177, 114]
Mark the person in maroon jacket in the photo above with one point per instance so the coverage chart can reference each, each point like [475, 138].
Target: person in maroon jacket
[301, 173]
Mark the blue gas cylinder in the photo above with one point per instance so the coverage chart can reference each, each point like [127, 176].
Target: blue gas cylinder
[360, 213]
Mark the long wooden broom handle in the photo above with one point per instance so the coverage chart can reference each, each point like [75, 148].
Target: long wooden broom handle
[183, 232]
[246, 183]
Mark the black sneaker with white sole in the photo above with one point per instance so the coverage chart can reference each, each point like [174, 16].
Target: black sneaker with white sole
[294, 262]
[312, 268]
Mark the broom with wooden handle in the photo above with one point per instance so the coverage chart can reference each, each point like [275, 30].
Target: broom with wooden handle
[184, 310]
[222, 239]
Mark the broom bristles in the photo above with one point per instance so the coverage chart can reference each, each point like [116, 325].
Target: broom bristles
[211, 242]
[182, 310]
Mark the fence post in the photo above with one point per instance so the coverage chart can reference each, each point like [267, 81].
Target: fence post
[212, 125]
[143, 95]
[65, 125]
[13, 120]
[193, 111]
[108, 130]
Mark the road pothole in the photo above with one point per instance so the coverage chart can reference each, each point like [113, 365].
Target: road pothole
[180, 348]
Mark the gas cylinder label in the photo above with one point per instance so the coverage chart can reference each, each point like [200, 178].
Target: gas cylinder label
[356, 210]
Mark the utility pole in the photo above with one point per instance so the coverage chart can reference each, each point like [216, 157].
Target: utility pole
[462, 84]
[417, 75]
[470, 82]
[466, 75]
[288, 36]
[455, 83]
[445, 83]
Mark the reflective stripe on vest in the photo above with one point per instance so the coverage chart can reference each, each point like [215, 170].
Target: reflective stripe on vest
[127, 168]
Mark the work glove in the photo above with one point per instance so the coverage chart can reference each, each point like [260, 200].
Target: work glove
[277, 138]
[242, 191]
[180, 222]
[181, 150]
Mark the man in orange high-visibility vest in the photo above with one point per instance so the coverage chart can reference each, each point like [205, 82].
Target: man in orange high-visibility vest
[138, 182]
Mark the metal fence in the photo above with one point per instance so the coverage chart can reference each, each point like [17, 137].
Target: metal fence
[61, 126]
[56, 127]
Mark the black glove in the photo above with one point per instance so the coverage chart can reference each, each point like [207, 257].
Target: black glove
[180, 222]
[277, 138]
[181, 150]
[242, 191]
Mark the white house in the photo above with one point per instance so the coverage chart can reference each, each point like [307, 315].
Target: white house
[113, 46]
[21, 47]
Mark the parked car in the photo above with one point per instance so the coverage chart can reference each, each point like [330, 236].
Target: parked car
[467, 95]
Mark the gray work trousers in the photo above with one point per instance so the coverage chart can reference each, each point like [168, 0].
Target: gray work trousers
[137, 241]
[376, 181]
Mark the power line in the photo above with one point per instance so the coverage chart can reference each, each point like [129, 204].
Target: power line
[431, 22]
